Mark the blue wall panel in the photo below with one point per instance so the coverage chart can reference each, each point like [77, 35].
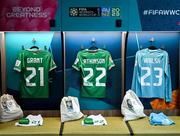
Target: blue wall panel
[111, 41]
[52, 40]
[169, 41]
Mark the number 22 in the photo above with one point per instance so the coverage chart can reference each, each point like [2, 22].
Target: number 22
[91, 73]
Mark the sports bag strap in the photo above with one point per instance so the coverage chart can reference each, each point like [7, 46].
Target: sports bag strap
[1, 101]
[61, 129]
[129, 128]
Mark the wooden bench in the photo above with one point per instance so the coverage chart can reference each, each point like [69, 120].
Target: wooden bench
[143, 127]
[50, 128]
[116, 126]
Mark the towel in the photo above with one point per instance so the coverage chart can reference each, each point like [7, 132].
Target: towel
[160, 119]
[34, 120]
[94, 120]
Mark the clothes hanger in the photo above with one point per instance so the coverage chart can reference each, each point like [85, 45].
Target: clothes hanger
[34, 46]
[152, 47]
[93, 45]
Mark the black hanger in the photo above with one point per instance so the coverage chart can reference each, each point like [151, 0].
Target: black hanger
[34, 47]
[93, 45]
[34, 42]
[93, 48]
[152, 47]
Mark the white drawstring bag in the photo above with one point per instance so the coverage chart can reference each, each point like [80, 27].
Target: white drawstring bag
[132, 107]
[9, 109]
[70, 109]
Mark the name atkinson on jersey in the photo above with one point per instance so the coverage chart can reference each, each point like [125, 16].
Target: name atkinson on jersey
[93, 61]
[34, 60]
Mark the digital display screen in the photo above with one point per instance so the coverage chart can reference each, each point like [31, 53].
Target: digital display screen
[115, 12]
[110, 12]
[94, 12]
[85, 12]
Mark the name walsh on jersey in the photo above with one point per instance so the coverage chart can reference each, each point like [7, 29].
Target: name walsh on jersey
[152, 60]
[93, 61]
[34, 60]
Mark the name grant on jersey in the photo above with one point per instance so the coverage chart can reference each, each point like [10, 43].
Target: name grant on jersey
[93, 61]
[152, 60]
[34, 60]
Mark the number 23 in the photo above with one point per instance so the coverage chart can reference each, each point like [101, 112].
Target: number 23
[148, 73]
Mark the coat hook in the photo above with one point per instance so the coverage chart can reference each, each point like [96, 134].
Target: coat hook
[93, 40]
[34, 41]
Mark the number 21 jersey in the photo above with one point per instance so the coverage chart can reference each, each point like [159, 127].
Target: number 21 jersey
[34, 67]
[151, 77]
[93, 66]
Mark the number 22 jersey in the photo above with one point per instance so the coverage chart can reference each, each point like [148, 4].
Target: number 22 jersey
[34, 67]
[151, 77]
[93, 66]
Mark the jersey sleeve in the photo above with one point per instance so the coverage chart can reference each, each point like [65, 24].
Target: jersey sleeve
[52, 64]
[77, 63]
[110, 62]
[168, 91]
[19, 62]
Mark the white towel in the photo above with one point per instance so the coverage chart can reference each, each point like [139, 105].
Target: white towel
[33, 121]
[98, 120]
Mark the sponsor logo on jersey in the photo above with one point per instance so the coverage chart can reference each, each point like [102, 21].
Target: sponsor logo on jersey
[93, 61]
[34, 60]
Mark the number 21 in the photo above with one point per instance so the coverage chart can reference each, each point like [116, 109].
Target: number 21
[33, 74]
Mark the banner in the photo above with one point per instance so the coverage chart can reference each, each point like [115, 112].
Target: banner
[27, 15]
[161, 15]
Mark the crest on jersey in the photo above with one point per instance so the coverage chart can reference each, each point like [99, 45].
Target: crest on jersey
[18, 62]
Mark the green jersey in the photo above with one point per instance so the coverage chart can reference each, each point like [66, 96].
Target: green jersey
[93, 66]
[34, 67]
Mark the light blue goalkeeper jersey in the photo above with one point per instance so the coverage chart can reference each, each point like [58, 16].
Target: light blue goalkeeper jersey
[151, 77]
